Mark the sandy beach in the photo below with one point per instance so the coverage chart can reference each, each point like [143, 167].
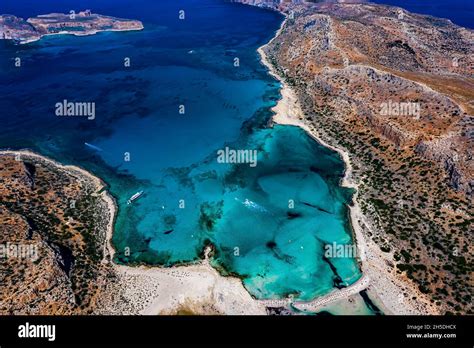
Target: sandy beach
[188, 289]
[393, 293]
[191, 289]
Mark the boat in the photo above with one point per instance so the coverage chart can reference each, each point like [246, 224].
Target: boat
[93, 147]
[134, 197]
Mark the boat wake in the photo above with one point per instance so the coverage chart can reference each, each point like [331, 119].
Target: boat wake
[252, 205]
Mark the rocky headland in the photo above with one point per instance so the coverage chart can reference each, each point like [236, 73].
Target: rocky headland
[80, 24]
[392, 91]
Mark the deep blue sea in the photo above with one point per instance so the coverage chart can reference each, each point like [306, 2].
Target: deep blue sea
[269, 223]
[460, 12]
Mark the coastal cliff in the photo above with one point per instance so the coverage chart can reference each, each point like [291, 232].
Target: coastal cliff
[394, 90]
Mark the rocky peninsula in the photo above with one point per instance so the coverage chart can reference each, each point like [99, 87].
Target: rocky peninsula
[65, 215]
[80, 24]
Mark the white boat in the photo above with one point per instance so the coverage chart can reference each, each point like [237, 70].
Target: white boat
[134, 197]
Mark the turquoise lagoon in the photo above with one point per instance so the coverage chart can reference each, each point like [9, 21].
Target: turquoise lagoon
[268, 224]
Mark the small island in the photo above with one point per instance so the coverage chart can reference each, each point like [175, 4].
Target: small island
[80, 24]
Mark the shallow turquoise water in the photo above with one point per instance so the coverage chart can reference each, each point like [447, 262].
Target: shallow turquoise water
[269, 223]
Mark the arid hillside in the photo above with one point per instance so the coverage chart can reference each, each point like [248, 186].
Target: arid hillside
[55, 220]
[396, 91]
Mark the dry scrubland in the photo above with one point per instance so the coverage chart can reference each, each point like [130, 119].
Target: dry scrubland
[414, 174]
[62, 215]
